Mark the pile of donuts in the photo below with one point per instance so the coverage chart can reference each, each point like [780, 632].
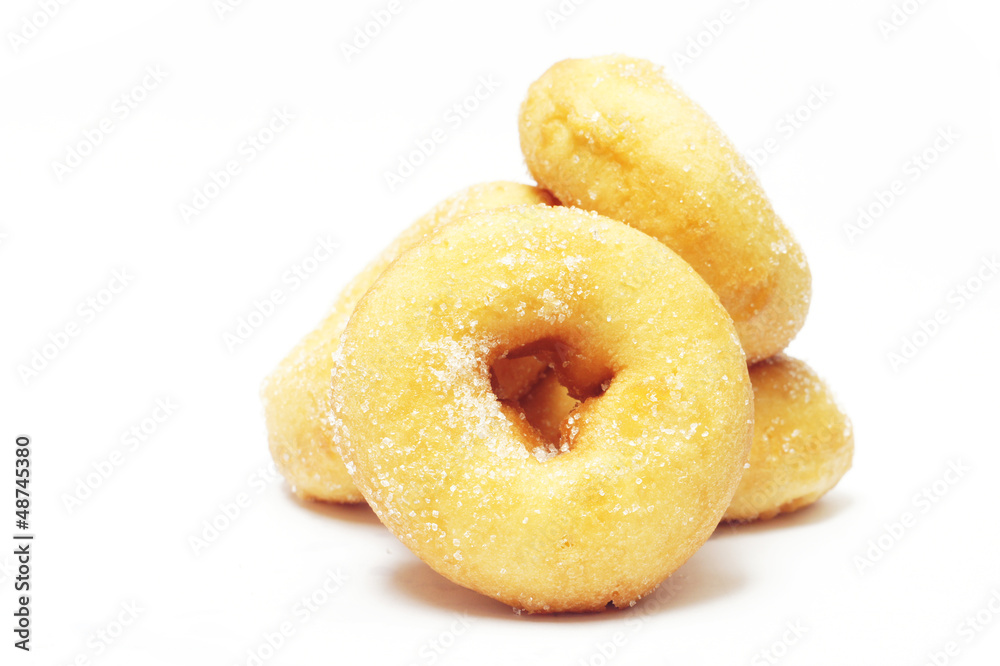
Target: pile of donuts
[554, 394]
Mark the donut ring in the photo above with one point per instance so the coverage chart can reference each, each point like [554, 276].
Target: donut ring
[613, 135]
[654, 453]
[295, 394]
[803, 442]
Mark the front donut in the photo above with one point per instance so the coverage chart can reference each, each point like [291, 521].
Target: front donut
[644, 472]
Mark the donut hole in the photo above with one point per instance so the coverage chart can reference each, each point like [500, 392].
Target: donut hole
[585, 375]
[546, 408]
[543, 385]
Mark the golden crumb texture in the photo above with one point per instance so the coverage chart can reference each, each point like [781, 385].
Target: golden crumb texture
[295, 394]
[803, 441]
[652, 457]
[613, 135]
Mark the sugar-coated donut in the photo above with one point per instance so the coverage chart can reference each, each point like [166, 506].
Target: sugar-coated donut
[515, 376]
[803, 442]
[613, 135]
[655, 451]
[295, 394]
[547, 406]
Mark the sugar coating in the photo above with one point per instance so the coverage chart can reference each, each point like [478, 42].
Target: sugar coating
[803, 441]
[802, 446]
[650, 465]
[613, 135]
[295, 395]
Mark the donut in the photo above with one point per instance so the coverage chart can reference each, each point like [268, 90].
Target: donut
[654, 453]
[546, 406]
[803, 442]
[295, 394]
[513, 377]
[613, 135]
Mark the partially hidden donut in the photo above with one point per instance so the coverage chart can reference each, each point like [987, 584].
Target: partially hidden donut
[655, 451]
[802, 443]
[613, 135]
[547, 406]
[295, 394]
[514, 376]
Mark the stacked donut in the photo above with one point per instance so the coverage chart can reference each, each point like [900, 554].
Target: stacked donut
[554, 394]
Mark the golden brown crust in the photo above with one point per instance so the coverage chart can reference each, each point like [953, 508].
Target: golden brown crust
[613, 135]
[802, 446]
[651, 464]
[295, 394]
[803, 442]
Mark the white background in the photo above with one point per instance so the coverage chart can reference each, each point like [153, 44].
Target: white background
[163, 336]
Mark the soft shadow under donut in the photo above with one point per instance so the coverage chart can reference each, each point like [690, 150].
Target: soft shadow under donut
[702, 578]
[361, 513]
[824, 509]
